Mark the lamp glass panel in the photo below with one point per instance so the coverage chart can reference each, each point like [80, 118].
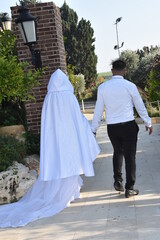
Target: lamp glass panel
[22, 32]
[7, 25]
[30, 31]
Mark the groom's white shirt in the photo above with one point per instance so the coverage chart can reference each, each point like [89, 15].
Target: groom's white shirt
[119, 97]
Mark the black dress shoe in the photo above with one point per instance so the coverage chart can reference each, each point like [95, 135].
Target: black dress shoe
[131, 193]
[118, 186]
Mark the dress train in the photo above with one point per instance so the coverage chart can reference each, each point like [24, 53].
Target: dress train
[44, 199]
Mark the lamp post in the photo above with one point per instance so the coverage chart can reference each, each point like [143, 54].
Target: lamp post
[27, 26]
[117, 47]
[5, 22]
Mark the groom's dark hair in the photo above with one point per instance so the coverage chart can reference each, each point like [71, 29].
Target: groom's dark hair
[118, 65]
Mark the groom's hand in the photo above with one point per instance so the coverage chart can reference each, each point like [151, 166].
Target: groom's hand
[150, 130]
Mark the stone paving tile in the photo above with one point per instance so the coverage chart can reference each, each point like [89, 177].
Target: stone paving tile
[149, 233]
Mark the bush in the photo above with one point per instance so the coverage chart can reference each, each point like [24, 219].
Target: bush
[153, 114]
[32, 143]
[156, 114]
[12, 114]
[154, 83]
[88, 95]
[17, 85]
[10, 150]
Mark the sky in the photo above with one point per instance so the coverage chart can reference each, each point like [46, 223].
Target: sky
[139, 27]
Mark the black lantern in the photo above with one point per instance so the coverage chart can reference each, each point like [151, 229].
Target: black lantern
[27, 26]
[5, 22]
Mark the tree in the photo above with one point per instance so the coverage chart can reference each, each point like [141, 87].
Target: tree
[79, 85]
[154, 81]
[69, 25]
[139, 64]
[79, 44]
[26, 2]
[77, 81]
[131, 59]
[146, 50]
[86, 59]
[142, 73]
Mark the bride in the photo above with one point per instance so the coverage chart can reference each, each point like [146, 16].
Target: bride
[68, 149]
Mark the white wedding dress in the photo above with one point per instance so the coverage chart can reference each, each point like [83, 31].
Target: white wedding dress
[68, 149]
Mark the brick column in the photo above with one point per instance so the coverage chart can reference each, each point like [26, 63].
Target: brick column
[50, 43]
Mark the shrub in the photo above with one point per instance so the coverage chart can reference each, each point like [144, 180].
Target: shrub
[18, 85]
[155, 114]
[154, 83]
[88, 96]
[32, 143]
[10, 150]
[12, 114]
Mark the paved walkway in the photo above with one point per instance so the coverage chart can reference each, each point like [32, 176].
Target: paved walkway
[102, 213]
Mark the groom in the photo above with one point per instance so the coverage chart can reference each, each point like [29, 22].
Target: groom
[119, 96]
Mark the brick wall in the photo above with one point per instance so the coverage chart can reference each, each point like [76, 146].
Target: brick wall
[50, 43]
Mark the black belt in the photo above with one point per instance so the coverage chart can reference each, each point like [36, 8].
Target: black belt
[121, 124]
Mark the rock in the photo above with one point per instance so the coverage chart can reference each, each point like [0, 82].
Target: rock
[12, 130]
[32, 162]
[15, 182]
[16, 131]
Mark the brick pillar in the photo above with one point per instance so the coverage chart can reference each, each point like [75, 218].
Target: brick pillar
[50, 43]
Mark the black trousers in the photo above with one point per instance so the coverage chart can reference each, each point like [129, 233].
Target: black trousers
[123, 137]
